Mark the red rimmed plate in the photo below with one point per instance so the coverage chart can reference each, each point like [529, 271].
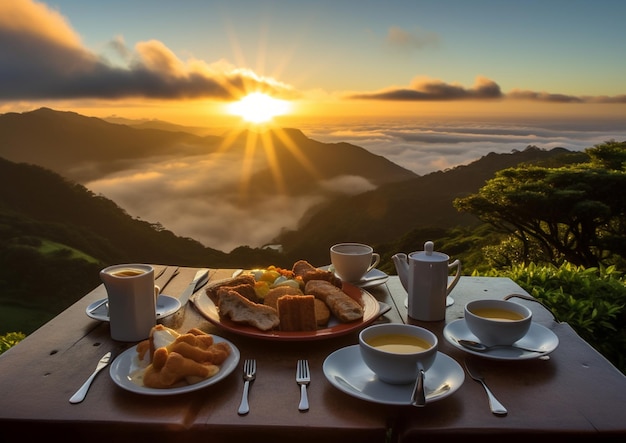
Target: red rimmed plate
[371, 311]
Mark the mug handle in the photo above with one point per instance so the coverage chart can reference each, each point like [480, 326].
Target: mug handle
[376, 258]
[457, 264]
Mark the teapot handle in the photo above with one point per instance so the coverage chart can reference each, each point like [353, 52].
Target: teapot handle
[457, 264]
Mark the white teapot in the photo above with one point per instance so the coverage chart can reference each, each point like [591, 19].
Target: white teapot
[424, 275]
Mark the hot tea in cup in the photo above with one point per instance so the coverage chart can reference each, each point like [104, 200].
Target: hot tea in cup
[397, 352]
[497, 322]
[132, 300]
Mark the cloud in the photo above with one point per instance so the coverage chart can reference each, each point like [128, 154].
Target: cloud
[41, 57]
[418, 39]
[200, 198]
[426, 89]
[563, 98]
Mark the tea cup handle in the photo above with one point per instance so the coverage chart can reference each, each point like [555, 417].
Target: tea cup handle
[455, 264]
[376, 258]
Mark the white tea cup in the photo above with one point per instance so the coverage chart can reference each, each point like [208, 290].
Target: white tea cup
[132, 300]
[351, 261]
[396, 352]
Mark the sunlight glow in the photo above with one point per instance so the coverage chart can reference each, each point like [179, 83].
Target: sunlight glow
[259, 108]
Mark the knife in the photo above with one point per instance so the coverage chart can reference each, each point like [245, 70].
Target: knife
[82, 391]
[201, 278]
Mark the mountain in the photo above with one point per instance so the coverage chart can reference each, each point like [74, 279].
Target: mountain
[84, 149]
[385, 214]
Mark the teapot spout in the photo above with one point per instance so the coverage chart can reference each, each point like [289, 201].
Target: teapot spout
[402, 268]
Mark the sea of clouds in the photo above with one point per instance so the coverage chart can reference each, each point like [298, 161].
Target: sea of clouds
[205, 199]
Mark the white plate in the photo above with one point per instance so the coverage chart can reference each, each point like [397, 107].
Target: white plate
[538, 337]
[166, 305]
[346, 371]
[373, 278]
[128, 362]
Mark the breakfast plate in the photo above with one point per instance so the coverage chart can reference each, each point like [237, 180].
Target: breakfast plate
[346, 371]
[373, 278]
[537, 337]
[127, 365]
[166, 305]
[371, 311]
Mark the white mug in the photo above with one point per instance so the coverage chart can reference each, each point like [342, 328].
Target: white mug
[132, 303]
[351, 261]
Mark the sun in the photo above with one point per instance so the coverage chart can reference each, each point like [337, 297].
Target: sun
[258, 107]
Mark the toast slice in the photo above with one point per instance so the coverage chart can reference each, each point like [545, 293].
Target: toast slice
[297, 313]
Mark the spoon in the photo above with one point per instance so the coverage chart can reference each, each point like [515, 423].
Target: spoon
[480, 347]
[418, 397]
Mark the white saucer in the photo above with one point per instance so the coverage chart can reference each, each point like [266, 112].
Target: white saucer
[166, 305]
[346, 371]
[538, 337]
[375, 277]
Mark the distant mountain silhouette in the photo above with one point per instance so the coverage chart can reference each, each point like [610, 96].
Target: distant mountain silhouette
[83, 149]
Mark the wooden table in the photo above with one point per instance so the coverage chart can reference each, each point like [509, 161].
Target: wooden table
[575, 392]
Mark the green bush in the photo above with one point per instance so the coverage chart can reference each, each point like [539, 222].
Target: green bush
[9, 340]
[590, 300]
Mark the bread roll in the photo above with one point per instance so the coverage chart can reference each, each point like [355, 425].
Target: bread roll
[344, 307]
[243, 279]
[241, 310]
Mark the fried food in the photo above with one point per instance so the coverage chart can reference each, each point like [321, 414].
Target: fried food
[171, 368]
[306, 271]
[322, 313]
[344, 307]
[176, 359]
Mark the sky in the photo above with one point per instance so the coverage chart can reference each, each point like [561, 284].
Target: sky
[428, 84]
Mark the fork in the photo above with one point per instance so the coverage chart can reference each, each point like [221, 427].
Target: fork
[496, 407]
[249, 374]
[303, 378]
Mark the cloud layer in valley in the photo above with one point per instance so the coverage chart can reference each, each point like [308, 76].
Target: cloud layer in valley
[204, 199]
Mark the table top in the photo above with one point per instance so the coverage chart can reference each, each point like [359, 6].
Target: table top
[576, 391]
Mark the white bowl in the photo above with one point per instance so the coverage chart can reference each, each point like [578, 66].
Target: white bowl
[484, 321]
[397, 367]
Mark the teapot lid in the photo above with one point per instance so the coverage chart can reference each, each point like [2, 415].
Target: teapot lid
[428, 254]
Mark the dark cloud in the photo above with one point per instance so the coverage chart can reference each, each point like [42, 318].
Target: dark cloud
[544, 97]
[42, 58]
[483, 89]
[437, 90]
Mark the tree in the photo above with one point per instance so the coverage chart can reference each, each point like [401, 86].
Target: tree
[575, 213]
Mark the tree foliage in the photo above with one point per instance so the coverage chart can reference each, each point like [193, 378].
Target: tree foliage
[574, 213]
